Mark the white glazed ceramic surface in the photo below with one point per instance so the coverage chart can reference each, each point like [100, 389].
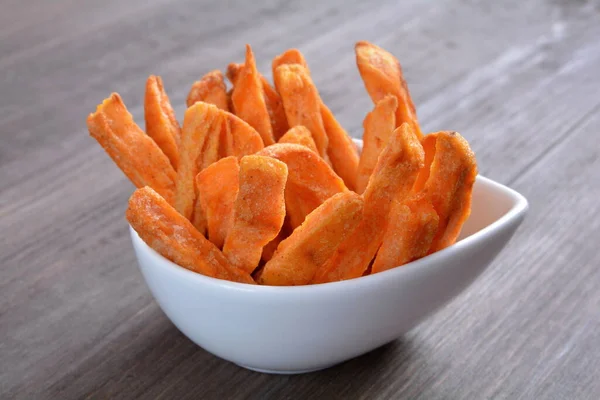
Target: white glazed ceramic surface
[306, 328]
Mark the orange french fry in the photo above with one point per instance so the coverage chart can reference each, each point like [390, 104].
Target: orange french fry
[248, 99]
[311, 244]
[311, 180]
[202, 126]
[240, 139]
[450, 185]
[217, 187]
[410, 230]
[301, 102]
[290, 56]
[271, 247]
[393, 178]
[378, 126]
[209, 89]
[259, 210]
[173, 236]
[199, 217]
[341, 150]
[161, 124]
[134, 152]
[299, 135]
[382, 75]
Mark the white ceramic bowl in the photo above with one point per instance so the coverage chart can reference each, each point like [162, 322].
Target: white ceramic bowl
[306, 328]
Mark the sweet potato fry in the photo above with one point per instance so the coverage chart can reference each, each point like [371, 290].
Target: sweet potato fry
[411, 228]
[201, 125]
[271, 247]
[299, 135]
[378, 126]
[312, 243]
[301, 102]
[310, 180]
[134, 152]
[259, 210]
[290, 56]
[241, 138]
[209, 89]
[174, 237]
[428, 143]
[161, 124]
[341, 150]
[279, 123]
[248, 99]
[217, 187]
[450, 185]
[382, 75]
[393, 178]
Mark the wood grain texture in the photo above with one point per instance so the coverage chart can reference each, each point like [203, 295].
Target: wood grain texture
[518, 79]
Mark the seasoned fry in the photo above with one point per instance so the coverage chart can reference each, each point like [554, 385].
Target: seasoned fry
[259, 210]
[393, 178]
[341, 150]
[174, 237]
[382, 75]
[290, 56]
[301, 102]
[217, 187]
[209, 89]
[241, 138]
[134, 152]
[312, 243]
[271, 247]
[299, 135]
[450, 185]
[409, 233]
[279, 123]
[378, 126]
[161, 124]
[310, 180]
[248, 99]
[201, 124]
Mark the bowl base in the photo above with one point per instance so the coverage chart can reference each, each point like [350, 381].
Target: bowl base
[284, 372]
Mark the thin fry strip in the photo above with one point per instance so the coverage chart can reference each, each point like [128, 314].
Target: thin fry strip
[209, 89]
[382, 75]
[299, 135]
[217, 188]
[310, 180]
[201, 122]
[161, 124]
[248, 99]
[301, 102]
[290, 56]
[341, 150]
[450, 185]
[299, 256]
[378, 126]
[393, 178]
[409, 233]
[242, 139]
[174, 237]
[134, 152]
[259, 210]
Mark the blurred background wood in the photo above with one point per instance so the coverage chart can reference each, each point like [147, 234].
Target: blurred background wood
[518, 79]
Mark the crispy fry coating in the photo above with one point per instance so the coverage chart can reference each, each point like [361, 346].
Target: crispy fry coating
[248, 99]
[209, 89]
[161, 124]
[378, 126]
[299, 135]
[311, 244]
[290, 56]
[393, 178]
[409, 233]
[382, 75]
[174, 237]
[242, 139]
[259, 210]
[217, 187]
[134, 152]
[450, 185]
[301, 102]
[310, 180]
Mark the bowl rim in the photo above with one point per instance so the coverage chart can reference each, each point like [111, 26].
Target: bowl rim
[519, 208]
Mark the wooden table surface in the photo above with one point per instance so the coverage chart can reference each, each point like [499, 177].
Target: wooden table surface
[520, 80]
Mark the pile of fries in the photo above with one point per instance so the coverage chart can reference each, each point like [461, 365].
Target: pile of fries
[261, 184]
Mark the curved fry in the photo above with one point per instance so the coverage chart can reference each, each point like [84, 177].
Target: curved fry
[290, 56]
[299, 135]
[209, 89]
